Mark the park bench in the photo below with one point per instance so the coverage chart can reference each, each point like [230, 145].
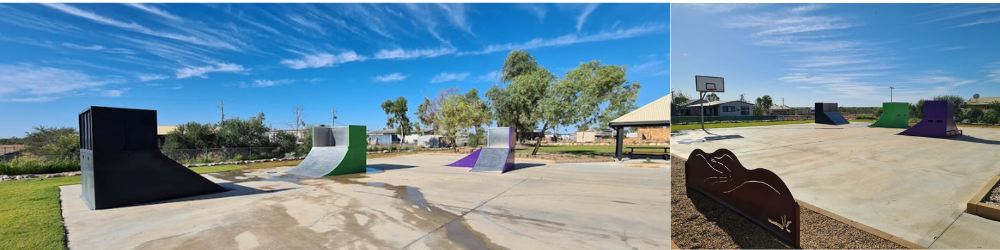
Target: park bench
[665, 154]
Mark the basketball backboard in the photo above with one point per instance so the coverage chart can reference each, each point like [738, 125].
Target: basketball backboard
[710, 84]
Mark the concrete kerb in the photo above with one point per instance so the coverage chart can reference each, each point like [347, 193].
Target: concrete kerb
[976, 207]
[863, 227]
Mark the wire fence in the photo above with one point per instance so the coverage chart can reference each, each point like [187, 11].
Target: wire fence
[186, 156]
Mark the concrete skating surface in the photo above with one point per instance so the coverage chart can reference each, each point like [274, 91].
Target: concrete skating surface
[910, 187]
[405, 202]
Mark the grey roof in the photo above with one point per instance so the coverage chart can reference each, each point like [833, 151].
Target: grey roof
[715, 103]
[657, 111]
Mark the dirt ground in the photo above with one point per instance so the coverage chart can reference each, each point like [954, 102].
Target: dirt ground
[699, 222]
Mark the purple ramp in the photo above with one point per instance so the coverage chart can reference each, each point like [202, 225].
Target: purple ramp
[468, 161]
[938, 122]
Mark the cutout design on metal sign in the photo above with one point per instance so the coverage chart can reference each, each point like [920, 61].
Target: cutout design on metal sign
[938, 122]
[122, 165]
[757, 194]
[826, 113]
[894, 115]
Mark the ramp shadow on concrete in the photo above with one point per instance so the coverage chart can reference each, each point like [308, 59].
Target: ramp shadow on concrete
[387, 167]
[973, 139]
[234, 190]
[519, 166]
[746, 234]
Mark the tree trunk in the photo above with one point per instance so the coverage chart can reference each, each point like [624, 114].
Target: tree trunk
[538, 143]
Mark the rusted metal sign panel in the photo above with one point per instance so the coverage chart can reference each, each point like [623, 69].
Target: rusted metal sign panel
[758, 194]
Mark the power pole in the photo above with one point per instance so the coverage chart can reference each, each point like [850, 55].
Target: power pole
[334, 113]
[222, 110]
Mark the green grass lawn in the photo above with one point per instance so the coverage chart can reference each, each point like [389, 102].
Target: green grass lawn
[734, 125]
[572, 149]
[31, 216]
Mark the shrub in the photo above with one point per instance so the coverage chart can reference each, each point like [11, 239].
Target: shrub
[238, 157]
[866, 117]
[37, 165]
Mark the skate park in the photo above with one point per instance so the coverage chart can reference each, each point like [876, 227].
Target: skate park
[339, 198]
[908, 182]
[396, 204]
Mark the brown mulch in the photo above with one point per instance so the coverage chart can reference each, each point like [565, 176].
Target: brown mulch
[699, 222]
[993, 197]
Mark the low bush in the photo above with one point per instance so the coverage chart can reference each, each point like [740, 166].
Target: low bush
[866, 117]
[36, 165]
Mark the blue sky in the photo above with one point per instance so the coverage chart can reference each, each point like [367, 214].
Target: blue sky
[182, 59]
[845, 53]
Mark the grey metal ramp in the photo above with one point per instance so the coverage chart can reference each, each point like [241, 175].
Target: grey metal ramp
[493, 160]
[320, 161]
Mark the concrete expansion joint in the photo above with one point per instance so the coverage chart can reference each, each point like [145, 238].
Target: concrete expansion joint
[461, 216]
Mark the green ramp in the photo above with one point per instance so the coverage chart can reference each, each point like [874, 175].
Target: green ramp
[335, 151]
[894, 115]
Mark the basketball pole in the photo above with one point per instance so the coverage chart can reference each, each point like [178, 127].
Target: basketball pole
[703, 112]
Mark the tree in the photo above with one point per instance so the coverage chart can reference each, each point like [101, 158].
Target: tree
[51, 141]
[285, 142]
[990, 116]
[677, 99]
[518, 62]
[237, 132]
[958, 100]
[516, 104]
[459, 113]
[426, 112]
[763, 105]
[300, 117]
[397, 118]
[711, 97]
[191, 135]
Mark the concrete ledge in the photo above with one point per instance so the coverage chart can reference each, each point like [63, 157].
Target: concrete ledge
[974, 206]
[863, 227]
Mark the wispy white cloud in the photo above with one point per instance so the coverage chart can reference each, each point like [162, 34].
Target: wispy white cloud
[536, 9]
[448, 76]
[154, 10]
[204, 40]
[993, 72]
[201, 71]
[980, 21]
[29, 83]
[719, 7]
[98, 48]
[582, 18]
[152, 77]
[955, 48]
[571, 39]
[113, 92]
[415, 53]
[269, 83]
[492, 76]
[654, 66]
[323, 60]
[31, 21]
[390, 77]
[456, 14]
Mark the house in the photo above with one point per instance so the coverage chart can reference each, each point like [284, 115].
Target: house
[717, 108]
[981, 103]
[781, 110]
[161, 133]
[585, 136]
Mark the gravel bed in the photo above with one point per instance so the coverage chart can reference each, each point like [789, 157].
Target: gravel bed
[699, 222]
[993, 197]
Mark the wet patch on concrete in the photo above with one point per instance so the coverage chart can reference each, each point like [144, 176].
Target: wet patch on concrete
[458, 231]
[237, 176]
